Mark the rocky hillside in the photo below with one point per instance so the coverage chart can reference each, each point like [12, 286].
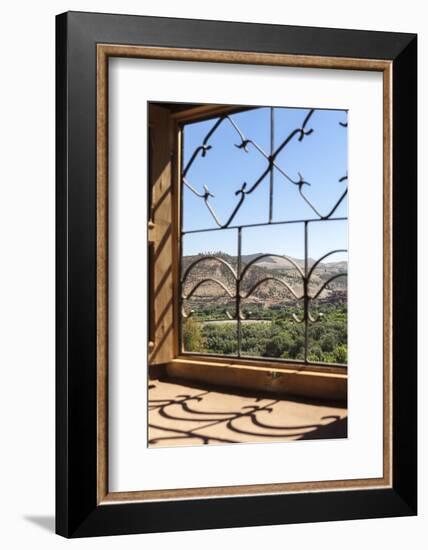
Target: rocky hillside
[268, 293]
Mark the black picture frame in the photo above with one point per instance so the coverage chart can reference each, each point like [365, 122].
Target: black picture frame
[77, 512]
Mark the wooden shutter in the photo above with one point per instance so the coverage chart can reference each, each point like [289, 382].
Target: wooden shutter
[162, 240]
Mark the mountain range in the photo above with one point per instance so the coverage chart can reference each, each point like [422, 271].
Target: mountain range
[269, 267]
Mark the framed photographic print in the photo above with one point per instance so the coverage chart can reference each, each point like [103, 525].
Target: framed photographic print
[236, 274]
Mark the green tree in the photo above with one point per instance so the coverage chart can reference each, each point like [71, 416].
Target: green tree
[341, 354]
[193, 339]
[327, 342]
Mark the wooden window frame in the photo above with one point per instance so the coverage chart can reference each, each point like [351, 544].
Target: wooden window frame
[165, 356]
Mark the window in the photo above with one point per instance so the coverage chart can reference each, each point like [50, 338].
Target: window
[248, 234]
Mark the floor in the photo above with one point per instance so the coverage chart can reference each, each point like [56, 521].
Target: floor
[183, 414]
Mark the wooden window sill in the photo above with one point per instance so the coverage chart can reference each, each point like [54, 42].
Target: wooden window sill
[324, 383]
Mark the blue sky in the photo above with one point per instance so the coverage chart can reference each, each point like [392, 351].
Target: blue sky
[320, 157]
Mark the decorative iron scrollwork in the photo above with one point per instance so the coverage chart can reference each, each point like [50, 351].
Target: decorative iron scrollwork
[238, 275]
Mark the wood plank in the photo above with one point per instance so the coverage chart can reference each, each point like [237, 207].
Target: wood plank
[160, 234]
[318, 385]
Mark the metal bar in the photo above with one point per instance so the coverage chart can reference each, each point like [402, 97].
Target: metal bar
[305, 294]
[323, 257]
[205, 259]
[238, 292]
[190, 231]
[272, 139]
[280, 360]
[327, 283]
[282, 256]
[245, 190]
[276, 279]
[207, 280]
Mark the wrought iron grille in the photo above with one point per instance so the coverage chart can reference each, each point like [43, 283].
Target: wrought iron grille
[236, 274]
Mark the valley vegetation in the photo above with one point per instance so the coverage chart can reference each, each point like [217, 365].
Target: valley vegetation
[267, 326]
